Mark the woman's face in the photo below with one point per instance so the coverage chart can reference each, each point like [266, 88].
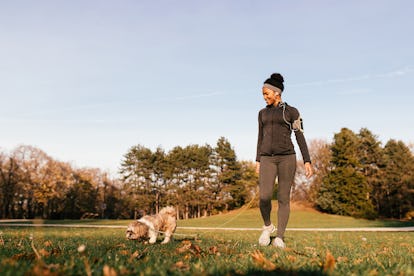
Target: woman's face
[270, 96]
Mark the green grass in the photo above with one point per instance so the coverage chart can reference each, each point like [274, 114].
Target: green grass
[298, 219]
[54, 251]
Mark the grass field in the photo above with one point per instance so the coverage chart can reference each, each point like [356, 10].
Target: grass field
[102, 251]
[300, 217]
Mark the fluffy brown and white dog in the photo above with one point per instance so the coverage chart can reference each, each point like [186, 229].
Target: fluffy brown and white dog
[148, 227]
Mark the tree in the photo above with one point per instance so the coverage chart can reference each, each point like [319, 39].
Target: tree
[10, 186]
[44, 182]
[371, 160]
[189, 175]
[58, 177]
[33, 184]
[82, 195]
[250, 181]
[307, 189]
[398, 183]
[177, 179]
[137, 175]
[344, 189]
[228, 175]
[159, 163]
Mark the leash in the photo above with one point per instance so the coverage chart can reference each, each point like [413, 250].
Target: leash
[240, 212]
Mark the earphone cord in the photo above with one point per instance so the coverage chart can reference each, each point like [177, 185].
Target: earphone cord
[283, 105]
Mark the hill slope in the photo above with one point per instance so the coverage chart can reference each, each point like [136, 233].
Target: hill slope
[300, 217]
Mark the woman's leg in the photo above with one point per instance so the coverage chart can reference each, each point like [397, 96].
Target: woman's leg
[286, 175]
[267, 176]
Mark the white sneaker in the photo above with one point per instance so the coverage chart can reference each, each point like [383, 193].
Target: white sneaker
[278, 242]
[264, 238]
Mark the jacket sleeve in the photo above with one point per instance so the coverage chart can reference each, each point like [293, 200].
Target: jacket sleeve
[300, 138]
[260, 137]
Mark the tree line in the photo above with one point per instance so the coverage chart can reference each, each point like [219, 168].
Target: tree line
[197, 180]
[355, 176]
[34, 185]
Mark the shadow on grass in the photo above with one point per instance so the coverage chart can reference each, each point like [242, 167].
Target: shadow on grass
[394, 223]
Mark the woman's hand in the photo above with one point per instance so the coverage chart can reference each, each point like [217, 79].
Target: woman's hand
[308, 169]
[257, 167]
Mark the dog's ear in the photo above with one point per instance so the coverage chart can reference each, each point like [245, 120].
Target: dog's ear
[170, 210]
[140, 214]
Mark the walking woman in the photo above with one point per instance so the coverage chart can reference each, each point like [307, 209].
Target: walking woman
[276, 157]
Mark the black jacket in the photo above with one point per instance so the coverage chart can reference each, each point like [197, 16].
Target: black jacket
[275, 132]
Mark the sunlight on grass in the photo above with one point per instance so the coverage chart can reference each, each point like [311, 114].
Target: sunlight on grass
[308, 218]
[80, 251]
[105, 251]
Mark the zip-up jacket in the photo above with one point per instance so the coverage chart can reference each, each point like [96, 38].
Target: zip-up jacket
[275, 129]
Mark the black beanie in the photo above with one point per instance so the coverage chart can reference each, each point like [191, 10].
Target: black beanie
[276, 80]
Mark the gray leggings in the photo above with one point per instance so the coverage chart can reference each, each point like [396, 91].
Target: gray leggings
[284, 168]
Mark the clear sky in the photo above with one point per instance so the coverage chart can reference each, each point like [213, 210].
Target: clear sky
[86, 80]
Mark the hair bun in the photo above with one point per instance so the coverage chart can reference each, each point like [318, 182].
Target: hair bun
[278, 77]
[276, 80]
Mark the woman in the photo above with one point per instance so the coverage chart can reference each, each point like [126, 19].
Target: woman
[276, 156]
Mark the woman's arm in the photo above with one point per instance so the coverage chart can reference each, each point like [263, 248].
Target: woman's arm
[259, 137]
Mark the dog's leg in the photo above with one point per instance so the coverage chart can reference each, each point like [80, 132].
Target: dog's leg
[152, 235]
[166, 240]
[167, 237]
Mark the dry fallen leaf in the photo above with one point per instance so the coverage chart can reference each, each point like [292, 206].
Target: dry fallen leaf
[329, 263]
[109, 271]
[87, 266]
[41, 269]
[55, 251]
[186, 246]
[291, 258]
[373, 272]
[47, 244]
[261, 260]
[181, 265]
[121, 245]
[23, 256]
[137, 255]
[213, 250]
[1, 240]
[190, 247]
[196, 249]
[124, 252]
[44, 253]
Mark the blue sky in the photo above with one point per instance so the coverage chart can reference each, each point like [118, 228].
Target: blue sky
[86, 80]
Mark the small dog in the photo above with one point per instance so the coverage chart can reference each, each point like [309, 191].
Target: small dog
[148, 227]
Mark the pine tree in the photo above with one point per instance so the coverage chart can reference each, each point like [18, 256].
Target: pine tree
[371, 160]
[137, 175]
[398, 185]
[344, 189]
[229, 175]
[189, 176]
